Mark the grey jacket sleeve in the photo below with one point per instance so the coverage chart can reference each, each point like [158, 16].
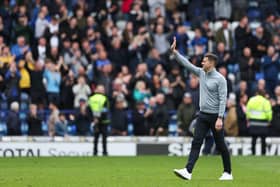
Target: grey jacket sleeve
[222, 96]
[187, 64]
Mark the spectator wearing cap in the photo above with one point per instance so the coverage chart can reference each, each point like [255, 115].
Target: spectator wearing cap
[139, 119]
[82, 118]
[185, 114]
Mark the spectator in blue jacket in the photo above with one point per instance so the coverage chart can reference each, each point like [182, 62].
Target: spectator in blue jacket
[270, 65]
[19, 49]
[52, 79]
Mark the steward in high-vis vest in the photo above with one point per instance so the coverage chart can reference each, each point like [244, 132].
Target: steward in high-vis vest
[259, 114]
[99, 106]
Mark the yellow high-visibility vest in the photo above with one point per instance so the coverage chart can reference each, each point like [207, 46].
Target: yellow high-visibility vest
[259, 111]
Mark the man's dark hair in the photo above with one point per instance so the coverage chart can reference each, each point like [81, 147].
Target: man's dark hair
[261, 92]
[212, 57]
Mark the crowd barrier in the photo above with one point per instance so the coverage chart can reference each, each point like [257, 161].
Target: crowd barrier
[26, 146]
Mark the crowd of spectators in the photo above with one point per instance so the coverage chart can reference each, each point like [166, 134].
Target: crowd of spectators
[53, 53]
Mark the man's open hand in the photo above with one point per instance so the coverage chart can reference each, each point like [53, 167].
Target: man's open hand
[173, 46]
[219, 124]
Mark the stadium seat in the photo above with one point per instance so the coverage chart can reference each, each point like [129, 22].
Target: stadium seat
[3, 128]
[130, 129]
[2, 116]
[22, 116]
[4, 105]
[172, 127]
[24, 97]
[72, 129]
[45, 128]
[24, 106]
[24, 128]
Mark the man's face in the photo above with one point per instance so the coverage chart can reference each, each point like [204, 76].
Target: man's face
[206, 64]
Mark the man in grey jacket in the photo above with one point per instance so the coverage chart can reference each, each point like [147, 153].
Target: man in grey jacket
[213, 95]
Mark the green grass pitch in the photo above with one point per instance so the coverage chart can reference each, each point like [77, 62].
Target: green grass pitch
[139, 171]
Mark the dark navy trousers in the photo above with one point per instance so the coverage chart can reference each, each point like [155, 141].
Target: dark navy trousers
[205, 122]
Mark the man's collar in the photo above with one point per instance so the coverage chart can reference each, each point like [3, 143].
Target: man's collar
[211, 71]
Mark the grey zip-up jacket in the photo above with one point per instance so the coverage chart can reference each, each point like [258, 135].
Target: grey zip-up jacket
[213, 87]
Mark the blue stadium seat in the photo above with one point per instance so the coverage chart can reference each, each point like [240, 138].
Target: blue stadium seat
[24, 97]
[24, 106]
[4, 105]
[3, 128]
[24, 128]
[22, 116]
[130, 129]
[45, 128]
[3, 116]
[72, 129]
[172, 127]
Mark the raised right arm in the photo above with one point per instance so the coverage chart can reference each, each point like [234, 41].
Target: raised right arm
[186, 63]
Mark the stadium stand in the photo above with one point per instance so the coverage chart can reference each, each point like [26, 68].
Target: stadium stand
[45, 46]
